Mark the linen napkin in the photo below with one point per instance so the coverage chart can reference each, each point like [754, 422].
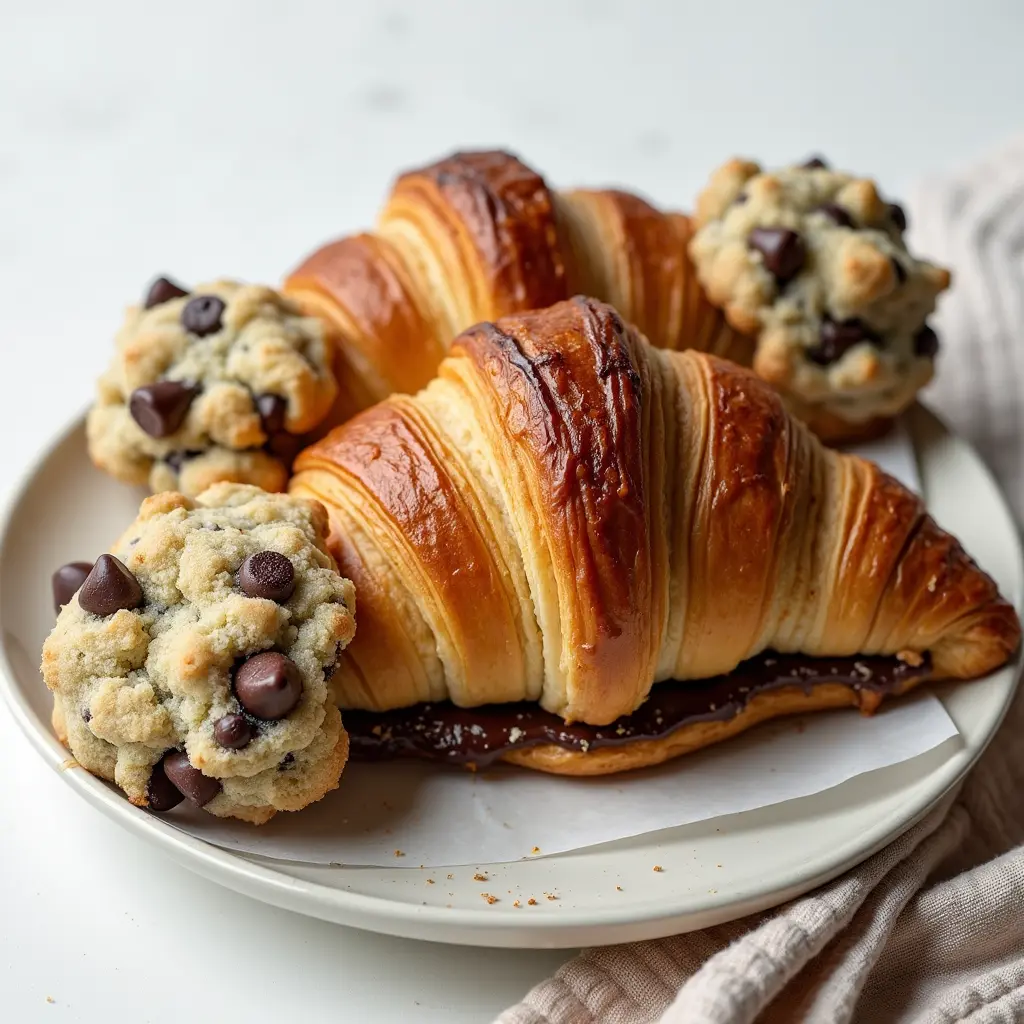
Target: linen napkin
[931, 929]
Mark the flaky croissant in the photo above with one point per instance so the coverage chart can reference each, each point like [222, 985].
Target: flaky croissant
[478, 236]
[568, 515]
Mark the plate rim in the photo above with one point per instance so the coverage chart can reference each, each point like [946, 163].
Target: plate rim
[256, 877]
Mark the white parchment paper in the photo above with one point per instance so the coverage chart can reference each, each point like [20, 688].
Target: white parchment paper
[412, 813]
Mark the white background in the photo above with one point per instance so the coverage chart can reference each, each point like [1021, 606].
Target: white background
[209, 138]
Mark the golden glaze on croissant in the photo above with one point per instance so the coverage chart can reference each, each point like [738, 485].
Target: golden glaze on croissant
[568, 515]
[479, 236]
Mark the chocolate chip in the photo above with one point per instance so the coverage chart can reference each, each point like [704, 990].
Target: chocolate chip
[899, 270]
[66, 581]
[178, 459]
[163, 290]
[272, 410]
[268, 685]
[836, 214]
[740, 199]
[837, 338]
[161, 793]
[815, 164]
[202, 315]
[86, 715]
[926, 342]
[783, 251]
[267, 574]
[199, 788]
[109, 587]
[160, 408]
[232, 731]
[286, 762]
[899, 218]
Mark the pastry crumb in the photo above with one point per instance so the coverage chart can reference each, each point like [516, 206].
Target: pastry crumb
[430, 881]
[451, 876]
[516, 903]
[490, 899]
[658, 867]
[531, 902]
[50, 999]
[618, 888]
[399, 853]
[479, 877]
[550, 896]
[536, 849]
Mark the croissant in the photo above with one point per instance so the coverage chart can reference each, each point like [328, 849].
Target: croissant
[566, 516]
[479, 235]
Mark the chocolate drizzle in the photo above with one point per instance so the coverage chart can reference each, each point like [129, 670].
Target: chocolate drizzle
[481, 735]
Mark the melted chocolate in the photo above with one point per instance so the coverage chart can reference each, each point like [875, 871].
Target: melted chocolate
[481, 735]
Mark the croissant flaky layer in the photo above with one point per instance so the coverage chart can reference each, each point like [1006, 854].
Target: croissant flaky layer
[568, 515]
[478, 236]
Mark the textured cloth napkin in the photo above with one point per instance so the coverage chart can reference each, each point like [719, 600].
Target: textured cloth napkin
[932, 928]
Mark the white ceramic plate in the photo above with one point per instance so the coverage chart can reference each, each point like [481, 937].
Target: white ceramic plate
[712, 871]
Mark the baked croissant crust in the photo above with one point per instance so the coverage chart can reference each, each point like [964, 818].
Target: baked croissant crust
[568, 515]
[478, 236]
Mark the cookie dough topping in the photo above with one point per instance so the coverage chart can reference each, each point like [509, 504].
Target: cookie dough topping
[191, 662]
[813, 263]
[210, 385]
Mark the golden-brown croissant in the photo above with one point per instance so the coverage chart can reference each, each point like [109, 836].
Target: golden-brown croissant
[479, 235]
[566, 515]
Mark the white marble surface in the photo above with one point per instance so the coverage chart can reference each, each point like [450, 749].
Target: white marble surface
[211, 137]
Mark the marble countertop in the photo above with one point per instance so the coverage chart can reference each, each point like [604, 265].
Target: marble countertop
[228, 138]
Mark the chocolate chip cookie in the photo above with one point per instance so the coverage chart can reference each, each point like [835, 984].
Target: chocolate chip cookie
[812, 262]
[210, 385]
[191, 661]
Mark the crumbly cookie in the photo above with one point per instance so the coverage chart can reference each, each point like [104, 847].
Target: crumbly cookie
[210, 385]
[193, 660]
[812, 263]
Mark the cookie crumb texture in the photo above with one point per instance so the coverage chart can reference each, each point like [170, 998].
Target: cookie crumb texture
[812, 262]
[208, 681]
[210, 385]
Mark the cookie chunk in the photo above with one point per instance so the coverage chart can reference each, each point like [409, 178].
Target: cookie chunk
[193, 660]
[210, 385]
[812, 263]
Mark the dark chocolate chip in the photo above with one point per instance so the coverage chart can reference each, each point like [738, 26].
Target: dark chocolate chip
[268, 685]
[86, 715]
[926, 342]
[109, 587]
[66, 581]
[837, 338]
[267, 574]
[783, 251]
[160, 408]
[199, 788]
[899, 270]
[272, 410]
[286, 762]
[740, 199]
[161, 793]
[162, 290]
[814, 164]
[836, 214]
[899, 218]
[232, 731]
[178, 459]
[202, 315]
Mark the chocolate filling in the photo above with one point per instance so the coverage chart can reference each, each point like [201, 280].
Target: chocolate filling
[481, 735]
